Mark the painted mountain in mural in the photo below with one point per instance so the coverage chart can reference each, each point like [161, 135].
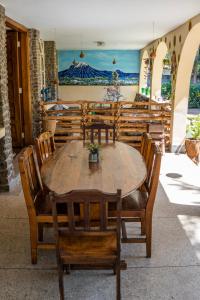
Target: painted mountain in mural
[83, 74]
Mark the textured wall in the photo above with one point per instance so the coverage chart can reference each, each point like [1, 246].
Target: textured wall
[36, 80]
[51, 68]
[93, 93]
[6, 155]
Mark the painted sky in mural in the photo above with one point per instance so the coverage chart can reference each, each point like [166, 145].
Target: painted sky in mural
[96, 68]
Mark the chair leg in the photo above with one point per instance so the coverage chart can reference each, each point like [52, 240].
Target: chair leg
[34, 241]
[163, 146]
[118, 281]
[67, 269]
[114, 269]
[61, 285]
[34, 256]
[40, 232]
[143, 226]
[124, 233]
[148, 236]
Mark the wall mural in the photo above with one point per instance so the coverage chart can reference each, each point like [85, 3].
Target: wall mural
[99, 67]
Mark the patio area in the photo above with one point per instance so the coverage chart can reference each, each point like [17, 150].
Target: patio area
[173, 272]
[99, 136]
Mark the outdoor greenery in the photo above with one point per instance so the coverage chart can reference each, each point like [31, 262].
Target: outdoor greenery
[193, 128]
[166, 90]
[194, 100]
[194, 96]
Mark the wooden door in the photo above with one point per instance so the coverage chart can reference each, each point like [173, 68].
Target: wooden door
[14, 89]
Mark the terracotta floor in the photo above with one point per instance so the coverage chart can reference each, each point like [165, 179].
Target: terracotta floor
[173, 272]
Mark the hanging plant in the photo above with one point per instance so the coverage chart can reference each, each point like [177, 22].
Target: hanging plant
[146, 61]
[166, 62]
[153, 54]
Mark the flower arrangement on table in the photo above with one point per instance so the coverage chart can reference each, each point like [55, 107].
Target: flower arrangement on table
[94, 152]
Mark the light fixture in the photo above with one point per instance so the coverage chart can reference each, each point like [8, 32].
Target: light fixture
[82, 55]
[153, 52]
[114, 61]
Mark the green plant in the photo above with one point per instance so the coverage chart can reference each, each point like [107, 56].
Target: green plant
[166, 62]
[194, 97]
[166, 90]
[193, 128]
[93, 148]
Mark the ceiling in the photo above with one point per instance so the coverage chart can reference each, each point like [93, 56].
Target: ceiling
[121, 24]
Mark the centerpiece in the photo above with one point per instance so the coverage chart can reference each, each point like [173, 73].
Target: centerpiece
[93, 152]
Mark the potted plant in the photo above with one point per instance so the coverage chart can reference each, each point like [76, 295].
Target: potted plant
[192, 141]
[93, 152]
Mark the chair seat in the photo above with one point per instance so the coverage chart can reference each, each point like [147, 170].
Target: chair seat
[84, 249]
[135, 201]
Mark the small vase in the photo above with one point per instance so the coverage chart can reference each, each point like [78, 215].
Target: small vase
[93, 157]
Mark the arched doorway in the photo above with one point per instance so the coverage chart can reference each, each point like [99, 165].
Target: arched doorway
[182, 86]
[144, 72]
[194, 95]
[157, 72]
[166, 81]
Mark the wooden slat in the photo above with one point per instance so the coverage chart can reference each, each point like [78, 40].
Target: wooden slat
[68, 130]
[65, 118]
[67, 138]
[100, 117]
[125, 138]
[140, 130]
[141, 118]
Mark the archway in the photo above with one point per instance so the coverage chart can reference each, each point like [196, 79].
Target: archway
[156, 82]
[144, 71]
[182, 86]
[166, 80]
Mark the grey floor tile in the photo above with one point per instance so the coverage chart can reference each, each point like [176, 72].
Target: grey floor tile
[179, 283]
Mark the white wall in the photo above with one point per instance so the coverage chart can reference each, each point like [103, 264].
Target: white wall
[93, 93]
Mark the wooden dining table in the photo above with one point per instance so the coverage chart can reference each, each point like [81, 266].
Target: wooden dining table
[120, 167]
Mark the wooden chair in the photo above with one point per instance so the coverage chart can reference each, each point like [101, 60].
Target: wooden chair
[37, 201]
[157, 132]
[146, 146]
[97, 129]
[45, 146]
[82, 243]
[138, 207]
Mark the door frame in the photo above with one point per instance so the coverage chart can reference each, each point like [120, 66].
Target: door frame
[26, 84]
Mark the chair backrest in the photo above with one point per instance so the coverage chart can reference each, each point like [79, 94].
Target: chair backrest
[30, 178]
[45, 146]
[87, 198]
[153, 172]
[96, 130]
[157, 132]
[146, 146]
[156, 129]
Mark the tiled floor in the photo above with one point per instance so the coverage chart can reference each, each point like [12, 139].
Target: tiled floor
[173, 272]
